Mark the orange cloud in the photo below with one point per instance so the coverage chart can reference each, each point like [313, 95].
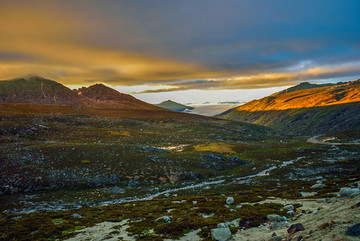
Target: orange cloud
[50, 39]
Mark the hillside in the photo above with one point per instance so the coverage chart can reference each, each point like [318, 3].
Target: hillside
[37, 90]
[102, 96]
[304, 111]
[305, 86]
[174, 106]
[40, 91]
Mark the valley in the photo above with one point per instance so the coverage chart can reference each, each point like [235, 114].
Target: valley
[67, 168]
[62, 163]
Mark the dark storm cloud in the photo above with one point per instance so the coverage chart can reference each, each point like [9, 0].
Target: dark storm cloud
[180, 42]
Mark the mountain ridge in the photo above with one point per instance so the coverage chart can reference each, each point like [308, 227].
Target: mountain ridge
[304, 112]
[309, 97]
[33, 89]
[37, 90]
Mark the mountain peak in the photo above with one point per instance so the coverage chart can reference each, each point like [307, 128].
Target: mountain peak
[32, 77]
[34, 89]
[37, 90]
[101, 92]
[174, 106]
[304, 86]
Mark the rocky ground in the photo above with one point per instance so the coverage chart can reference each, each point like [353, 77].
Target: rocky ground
[84, 177]
[322, 219]
[326, 219]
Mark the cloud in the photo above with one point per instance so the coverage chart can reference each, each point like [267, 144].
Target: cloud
[181, 45]
[266, 80]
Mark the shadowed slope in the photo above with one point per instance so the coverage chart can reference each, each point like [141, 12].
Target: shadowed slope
[37, 90]
[102, 96]
[40, 91]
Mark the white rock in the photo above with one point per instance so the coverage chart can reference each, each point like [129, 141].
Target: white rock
[221, 234]
[290, 213]
[229, 200]
[349, 192]
[317, 186]
[289, 207]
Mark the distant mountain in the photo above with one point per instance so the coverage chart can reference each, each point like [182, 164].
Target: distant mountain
[174, 106]
[304, 109]
[39, 90]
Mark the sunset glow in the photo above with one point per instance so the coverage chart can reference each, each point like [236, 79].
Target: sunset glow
[173, 46]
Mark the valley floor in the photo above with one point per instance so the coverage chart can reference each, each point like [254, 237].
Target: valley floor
[164, 178]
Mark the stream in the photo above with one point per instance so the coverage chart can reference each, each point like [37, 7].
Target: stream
[31, 206]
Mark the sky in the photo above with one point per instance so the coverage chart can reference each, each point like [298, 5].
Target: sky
[190, 51]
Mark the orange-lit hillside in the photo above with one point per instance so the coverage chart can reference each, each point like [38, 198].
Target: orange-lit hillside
[323, 96]
[305, 109]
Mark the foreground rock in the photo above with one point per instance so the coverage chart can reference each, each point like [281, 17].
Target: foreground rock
[274, 218]
[349, 192]
[334, 221]
[354, 230]
[229, 200]
[221, 234]
[295, 228]
[289, 207]
[317, 186]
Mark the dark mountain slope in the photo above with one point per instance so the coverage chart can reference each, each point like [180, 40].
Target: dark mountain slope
[37, 90]
[41, 91]
[102, 96]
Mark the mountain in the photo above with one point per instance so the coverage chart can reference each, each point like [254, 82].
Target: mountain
[174, 106]
[306, 86]
[37, 90]
[41, 91]
[102, 96]
[304, 109]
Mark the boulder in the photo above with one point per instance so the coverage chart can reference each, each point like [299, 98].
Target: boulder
[356, 205]
[289, 207]
[295, 228]
[349, 192]
[75, 215]
[277, 225]
[354, 230]
[317, 186]
[221, 234]
[274, 218]
[290, 213]
[229, 200]
[235, 223]
[276, 238]
[222, 225]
